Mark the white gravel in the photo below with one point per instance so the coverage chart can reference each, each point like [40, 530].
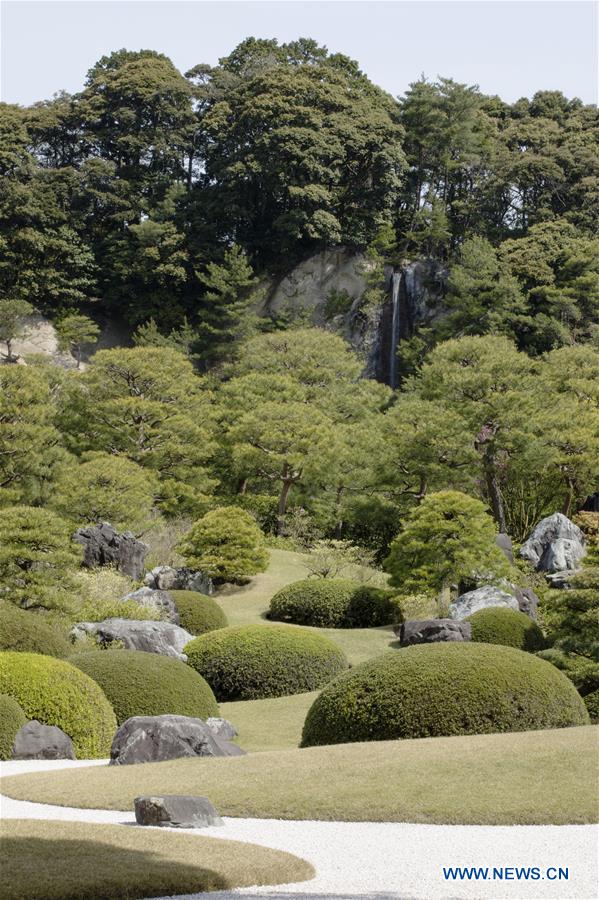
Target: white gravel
[385, 861]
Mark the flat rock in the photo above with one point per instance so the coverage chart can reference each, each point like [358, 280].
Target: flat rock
[158, 600]
[104, 546]
[431, 631]
[36, 741]
[151, 637]
[169, 578]
[176, 811]
[481, 598]
[157, 738]
[222, 728]
[556, 544]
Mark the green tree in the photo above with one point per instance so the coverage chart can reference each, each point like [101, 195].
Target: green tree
[448, 538]
[226, 544]
[575, 617]
[12, 326]
[76, 332]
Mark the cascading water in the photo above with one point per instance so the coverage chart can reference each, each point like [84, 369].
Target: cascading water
[395, 326]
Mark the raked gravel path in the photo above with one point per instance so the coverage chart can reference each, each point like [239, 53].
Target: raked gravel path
[383, 861]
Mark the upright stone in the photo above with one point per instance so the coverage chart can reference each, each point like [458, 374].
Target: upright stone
[104, 546]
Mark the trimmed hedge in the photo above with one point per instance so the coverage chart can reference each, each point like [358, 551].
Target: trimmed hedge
[431, 690]
[147, 684]
[334, 603]
[197, 612]
[496, 625]
[56, 693]
[27, 632]
[12, 718]
[248, 662]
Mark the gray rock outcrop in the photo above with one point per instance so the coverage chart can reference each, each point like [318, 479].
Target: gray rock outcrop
[504, 542]
[528, 601]
[481, 598]
[222, 728]
[176, 811]
[555, 545]
[151, 637]
[104, 546]
[431, 631]
[156, 738]
[36, 741]
[159, 601]
[180, 578]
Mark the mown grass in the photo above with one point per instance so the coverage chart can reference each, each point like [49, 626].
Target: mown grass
[44, 860]
[272, 724]
[533, 778]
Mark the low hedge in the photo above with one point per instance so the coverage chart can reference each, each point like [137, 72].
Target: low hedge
[26, 632]
[197, 612]
[248, 662]
[430, 690]
[334, 603]
[12, 718]
[147, 684]
[498, 625]
[57, 693]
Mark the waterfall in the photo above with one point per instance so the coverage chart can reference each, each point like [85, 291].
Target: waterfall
[396, 281]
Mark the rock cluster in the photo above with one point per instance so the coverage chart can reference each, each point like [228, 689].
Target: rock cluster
[36, 741]
[556, 545]
[430, 631]
[157, 738]
[482, 597]
[158, 600]
[168, 578]
[104, 546]
[134, 634]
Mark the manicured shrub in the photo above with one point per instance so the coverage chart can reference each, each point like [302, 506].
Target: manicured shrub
[147, 684]
[56, 693]
[443, 689]
[582, 672]
[197, 612]
[226, 544]
[12, 718]
[591, 701]
[252, 661]
[496, 625]
[28, 632]
[334, 603]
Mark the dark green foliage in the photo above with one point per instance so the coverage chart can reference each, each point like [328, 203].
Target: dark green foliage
[496, 625]
[591, 701]
[225, 544]
[334, 603]
[582, 672]
[147, 684]
[248, 662]
[27, 632]
[443, 689]
[576, 616]
[12, 718]
[56, 693]
[197, 612]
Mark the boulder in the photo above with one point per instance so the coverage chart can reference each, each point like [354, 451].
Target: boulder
[151, 637]
[430, 631]
[555, 545]
[176, 811]
[104, 546]
[482, 597]
[528, 601]
[36, 741]
[222, 728]
[504, 542]
[157, 600]
[156, 738]
[167, 578]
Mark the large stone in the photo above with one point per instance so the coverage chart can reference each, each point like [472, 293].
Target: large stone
[176, 811]
[481, 598]
[504, 542]
[222, 728]
[528, 601]
[156, 738]
[36, 741]
[157, 600]
[104, 546]
[555, 545]
[151, 637]
[168, 578]
[430, 631]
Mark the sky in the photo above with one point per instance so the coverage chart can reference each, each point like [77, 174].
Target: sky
[508, 47]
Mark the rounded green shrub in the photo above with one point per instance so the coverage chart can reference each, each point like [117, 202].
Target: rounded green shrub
[443, 689]
[147, 684]
[197, 612]
[252, 661]
[591, 701]
[12, 718]
[27, 632]
[57, 693]
[334, 603]
[499, 625]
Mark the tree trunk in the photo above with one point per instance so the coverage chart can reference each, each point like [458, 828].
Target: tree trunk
[568, 500]
[283, 497]
[443, 600]
[495, 495]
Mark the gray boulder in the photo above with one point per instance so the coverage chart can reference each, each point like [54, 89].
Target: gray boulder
[151, 637]
[168, 578]
[158, 600]
[481, 598]
[222, 728]
[156, 738]
[430, 631]
[176, 811]
[528, 601]
[104, 546]
[555, 545]
[504, 542]
[36, 741]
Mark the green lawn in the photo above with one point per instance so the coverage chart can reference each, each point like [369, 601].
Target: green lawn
[532, 777]
[272, 724]
[71, 860]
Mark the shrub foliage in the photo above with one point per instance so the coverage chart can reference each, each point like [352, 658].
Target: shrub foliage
[496, 625]
[226, 544]
[28, 632]
[197, 612]
[12, 718]
[334, 603]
